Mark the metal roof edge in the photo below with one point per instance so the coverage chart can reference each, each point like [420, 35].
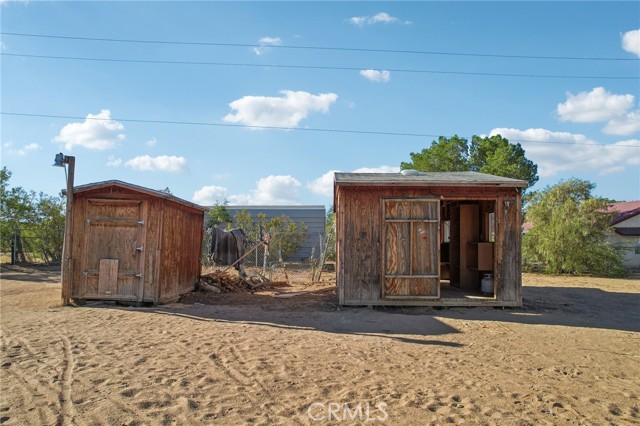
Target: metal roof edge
[134, 187]
[425, 179]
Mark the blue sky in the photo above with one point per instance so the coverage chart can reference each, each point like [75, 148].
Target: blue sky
[570, 126]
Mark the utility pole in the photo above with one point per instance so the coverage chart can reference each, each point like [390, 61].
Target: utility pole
[60, 161]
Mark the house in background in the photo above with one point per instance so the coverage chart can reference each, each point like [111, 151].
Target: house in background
[626, 231]
[313, 217]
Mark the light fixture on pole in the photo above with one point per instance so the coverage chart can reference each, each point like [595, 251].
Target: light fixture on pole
[62, 160]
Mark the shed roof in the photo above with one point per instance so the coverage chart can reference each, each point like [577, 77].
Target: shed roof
[161, 194]
[427, 179]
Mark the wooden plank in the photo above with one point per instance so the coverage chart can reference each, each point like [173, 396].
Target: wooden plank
[510, 282]
[397, 249]
[108, 276]
[140, 254]
[461, 302]
[411, 287]
[425, 253]
[485, 256]
[469, 231]
[340, 220]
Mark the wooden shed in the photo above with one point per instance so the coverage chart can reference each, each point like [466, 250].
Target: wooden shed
[130, 243]
[428, 239]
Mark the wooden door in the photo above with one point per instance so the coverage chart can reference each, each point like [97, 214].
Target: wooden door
[411, 259]
[113, 250]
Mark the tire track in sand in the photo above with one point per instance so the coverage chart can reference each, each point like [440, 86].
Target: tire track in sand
[66, 404]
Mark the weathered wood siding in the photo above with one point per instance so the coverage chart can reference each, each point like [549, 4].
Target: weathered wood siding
[181, 242]
[360, 238]
[157, 260]
[508, 275]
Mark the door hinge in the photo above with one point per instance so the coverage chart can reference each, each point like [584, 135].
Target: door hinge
[140, 249]
[138, 275]
[141, 222]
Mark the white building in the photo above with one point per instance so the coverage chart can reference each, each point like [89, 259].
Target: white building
[626, 235]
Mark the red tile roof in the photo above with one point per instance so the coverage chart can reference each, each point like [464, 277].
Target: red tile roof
[625, 210]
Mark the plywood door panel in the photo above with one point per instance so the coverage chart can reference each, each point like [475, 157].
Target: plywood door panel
[411, 241]
[113, 231]
[397, 248]
[425, 253]
[108, 276]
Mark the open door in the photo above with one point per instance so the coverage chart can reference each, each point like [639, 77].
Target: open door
[113, 250]
[411, 258]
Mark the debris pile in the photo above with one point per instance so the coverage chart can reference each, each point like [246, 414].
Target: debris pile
[227, 282]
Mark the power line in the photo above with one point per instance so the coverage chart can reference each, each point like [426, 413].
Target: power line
[315, 67]
[306, 129]
[334, 48]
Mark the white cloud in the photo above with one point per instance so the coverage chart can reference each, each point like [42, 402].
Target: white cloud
[113, 161]
[270, 190]
[208, 195]
[575, 153]
[265, 42]
[22, 151]
[323, 185]
[151, 142]
[98, 131]
[3, 2]
[631, 42]
[285, 111]
[379, 18]
[377, 76]
[162, 163]
[625, 125]
[597, 105]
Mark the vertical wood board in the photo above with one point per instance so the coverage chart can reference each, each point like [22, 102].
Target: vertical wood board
[108, 276]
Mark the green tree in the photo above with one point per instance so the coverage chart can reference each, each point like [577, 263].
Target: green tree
[219, 214]
[286, 235]
[569, 232]
[446, 155]
[244, 220]
[330, 235]
[493, 155]
[37, 220]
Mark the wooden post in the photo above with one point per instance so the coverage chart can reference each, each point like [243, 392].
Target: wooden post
[66, 245]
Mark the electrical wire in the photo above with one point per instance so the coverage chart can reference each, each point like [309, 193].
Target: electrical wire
[315, 67]
[330, 48]
[306, 129]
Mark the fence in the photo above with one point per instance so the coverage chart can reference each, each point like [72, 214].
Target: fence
[259, 258]
[44, 249]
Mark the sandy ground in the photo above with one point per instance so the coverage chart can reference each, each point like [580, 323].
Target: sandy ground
[570, 356]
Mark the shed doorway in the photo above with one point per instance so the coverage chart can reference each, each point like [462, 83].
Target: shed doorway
[113, 246]
[467, 248]
[410, 248]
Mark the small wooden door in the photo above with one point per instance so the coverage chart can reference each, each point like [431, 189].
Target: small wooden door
[113, 250]
[411, 259]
